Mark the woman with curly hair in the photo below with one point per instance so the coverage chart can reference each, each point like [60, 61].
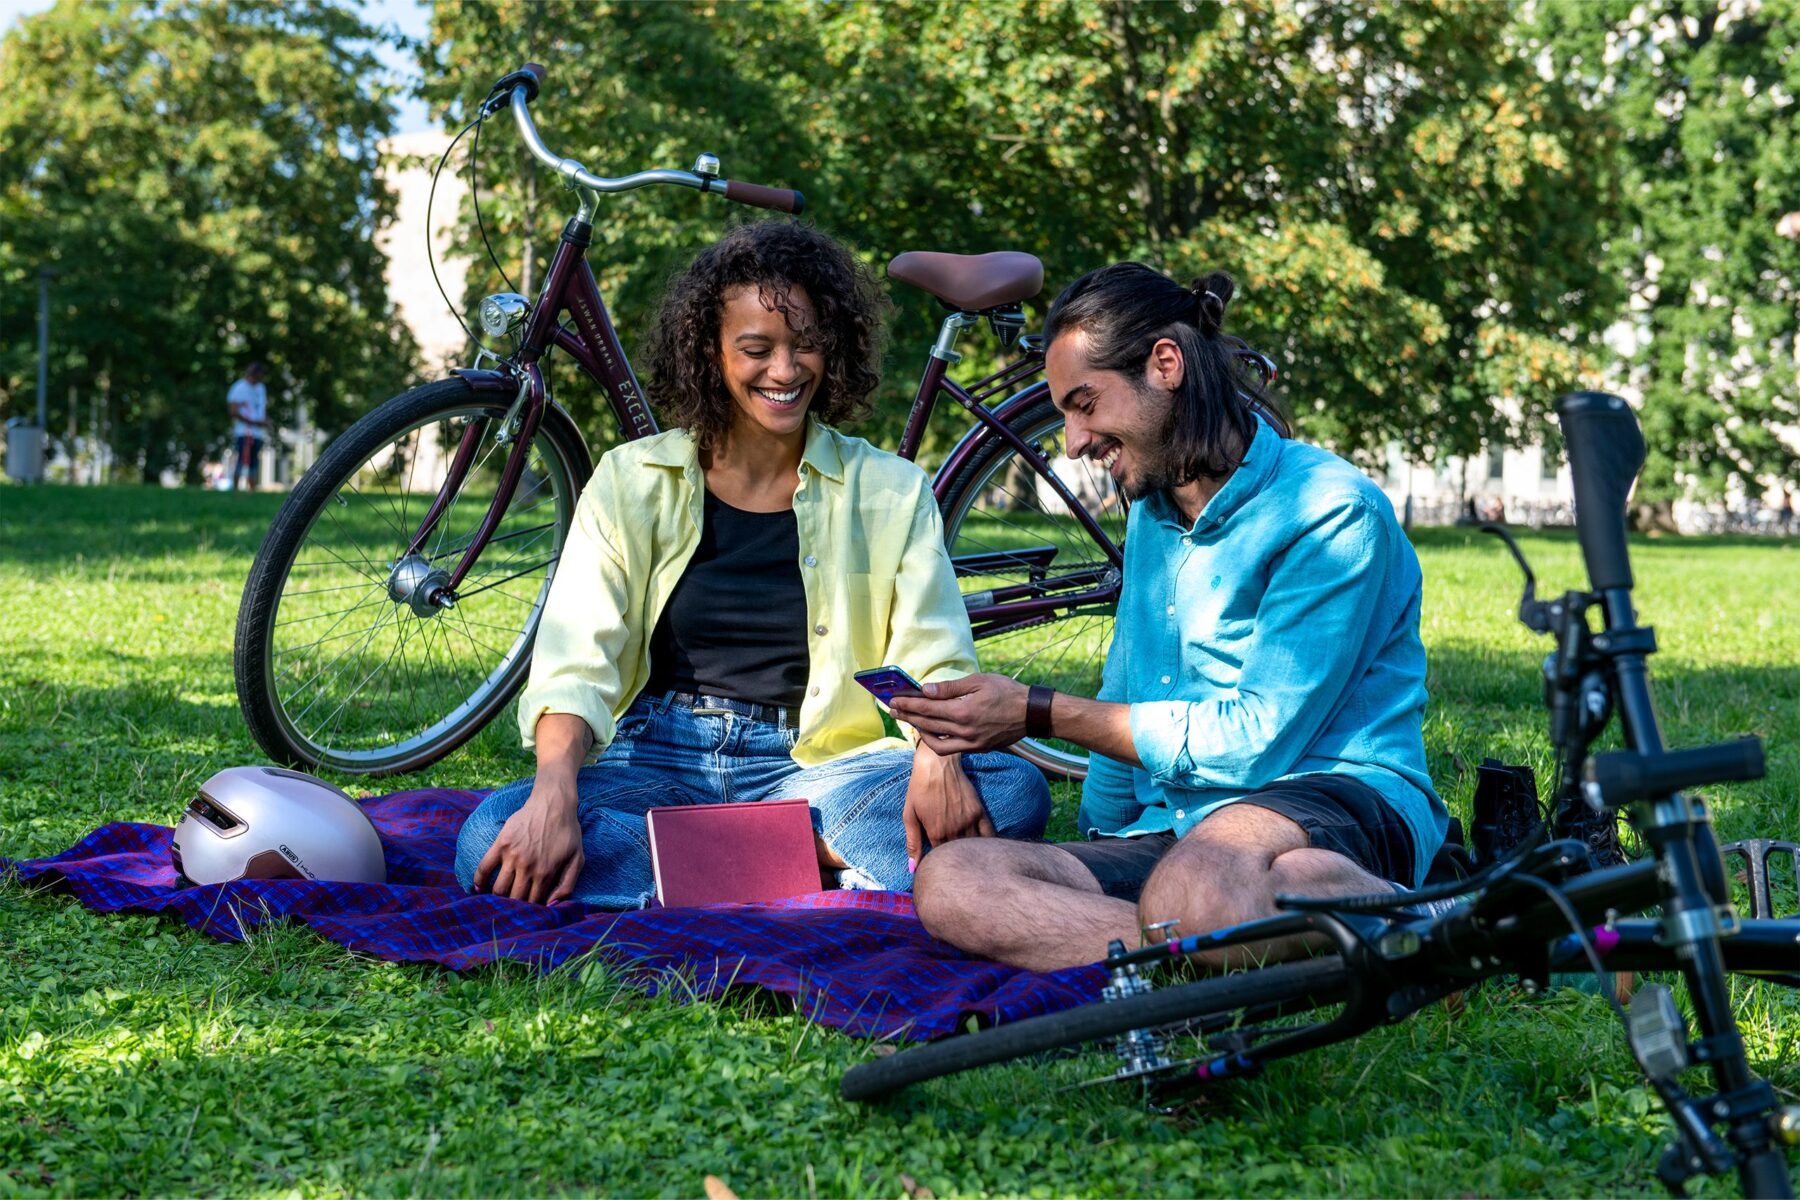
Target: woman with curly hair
[722, 583]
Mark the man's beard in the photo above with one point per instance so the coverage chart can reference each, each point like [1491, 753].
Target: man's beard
[1159, 472]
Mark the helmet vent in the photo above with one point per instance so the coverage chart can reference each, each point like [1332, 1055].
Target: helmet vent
[203, 807]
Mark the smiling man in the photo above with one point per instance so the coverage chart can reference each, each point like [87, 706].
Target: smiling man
[1258, 726]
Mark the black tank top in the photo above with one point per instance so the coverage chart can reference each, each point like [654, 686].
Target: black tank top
[735, 624]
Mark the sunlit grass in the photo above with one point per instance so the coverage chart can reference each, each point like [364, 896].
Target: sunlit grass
[137, 1056]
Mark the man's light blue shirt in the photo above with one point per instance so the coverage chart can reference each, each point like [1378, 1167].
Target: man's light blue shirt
[1277, 636]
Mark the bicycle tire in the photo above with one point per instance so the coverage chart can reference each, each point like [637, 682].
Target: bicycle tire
[976, 521]
[1295, 986]
[441, 681]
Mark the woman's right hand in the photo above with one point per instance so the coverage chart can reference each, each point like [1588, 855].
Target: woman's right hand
[537, 856]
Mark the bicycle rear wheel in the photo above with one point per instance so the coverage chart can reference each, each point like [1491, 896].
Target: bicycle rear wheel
[1009, 535]
[1287, 987]
[335, 667]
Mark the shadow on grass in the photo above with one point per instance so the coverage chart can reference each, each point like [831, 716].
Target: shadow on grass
[55, 525]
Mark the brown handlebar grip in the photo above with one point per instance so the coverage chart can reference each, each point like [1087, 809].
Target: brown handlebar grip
[536, 69]
[780, 199]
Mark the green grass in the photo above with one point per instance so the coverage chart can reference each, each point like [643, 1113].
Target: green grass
[139, 1057]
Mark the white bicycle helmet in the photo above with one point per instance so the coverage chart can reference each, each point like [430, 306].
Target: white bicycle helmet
[267, 823]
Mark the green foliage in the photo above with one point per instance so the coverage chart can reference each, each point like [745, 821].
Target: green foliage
[139, 1057]
[1408, 205]
[1703, 93]
[203, 176]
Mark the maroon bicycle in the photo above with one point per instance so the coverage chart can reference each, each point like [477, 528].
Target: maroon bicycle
[390, 613]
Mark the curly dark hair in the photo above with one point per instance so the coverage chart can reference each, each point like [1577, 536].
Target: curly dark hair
[686, 385]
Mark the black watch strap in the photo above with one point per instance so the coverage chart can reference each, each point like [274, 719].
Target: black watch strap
[1037, 711]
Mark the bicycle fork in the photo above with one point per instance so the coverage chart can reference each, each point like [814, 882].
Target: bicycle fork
[415, 579]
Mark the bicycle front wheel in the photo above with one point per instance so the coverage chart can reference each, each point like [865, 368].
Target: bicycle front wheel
[1285, 988]
[1016, 543]
[336, 665]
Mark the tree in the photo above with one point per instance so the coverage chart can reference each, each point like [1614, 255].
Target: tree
[203, 176]
[1703, 93]
[1405, 200]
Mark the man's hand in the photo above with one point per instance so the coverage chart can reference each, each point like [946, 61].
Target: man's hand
[976, 712]
[537, 856]
[941, 804]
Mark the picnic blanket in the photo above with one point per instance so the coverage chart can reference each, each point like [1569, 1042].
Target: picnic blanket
[859, 961]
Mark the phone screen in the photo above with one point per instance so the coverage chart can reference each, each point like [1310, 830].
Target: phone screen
[884, 683]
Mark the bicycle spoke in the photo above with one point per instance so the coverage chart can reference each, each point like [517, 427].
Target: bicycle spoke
[507, 579]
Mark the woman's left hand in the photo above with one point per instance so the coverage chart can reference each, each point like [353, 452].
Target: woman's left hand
[941, 804]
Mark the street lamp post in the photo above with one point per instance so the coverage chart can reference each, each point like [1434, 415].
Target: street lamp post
[25, 441]
[44, 275]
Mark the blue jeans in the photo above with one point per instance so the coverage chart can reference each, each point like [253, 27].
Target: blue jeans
[664, 754]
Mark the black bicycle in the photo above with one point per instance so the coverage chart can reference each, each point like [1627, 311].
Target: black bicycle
[1544, 907]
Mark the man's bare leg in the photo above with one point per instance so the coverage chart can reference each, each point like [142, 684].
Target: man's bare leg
[1229, 869]
[1025, 903]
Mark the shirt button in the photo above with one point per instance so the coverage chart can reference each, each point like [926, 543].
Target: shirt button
[822, 631]
[1171, 610]
[1165, 679]
[810, 561]
[814, 690]
[1181, 814]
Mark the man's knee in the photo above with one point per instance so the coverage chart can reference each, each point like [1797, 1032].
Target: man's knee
[1221, 873]
[948, 881]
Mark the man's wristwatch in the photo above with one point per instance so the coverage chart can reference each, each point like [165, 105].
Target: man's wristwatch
[1037, 711]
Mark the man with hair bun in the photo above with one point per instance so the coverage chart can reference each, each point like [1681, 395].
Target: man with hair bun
[1258, 728]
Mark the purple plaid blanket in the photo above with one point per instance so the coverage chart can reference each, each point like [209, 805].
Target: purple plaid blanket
[855, 960]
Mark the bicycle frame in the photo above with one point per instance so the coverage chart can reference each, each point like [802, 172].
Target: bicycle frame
[569, 286]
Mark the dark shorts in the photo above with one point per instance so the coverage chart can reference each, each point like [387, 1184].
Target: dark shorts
[1339, 813]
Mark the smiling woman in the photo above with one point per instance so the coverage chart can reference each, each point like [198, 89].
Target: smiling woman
[774, 283]
[721, 586]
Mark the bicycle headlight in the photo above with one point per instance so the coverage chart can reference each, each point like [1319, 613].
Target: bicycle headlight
[502, 313]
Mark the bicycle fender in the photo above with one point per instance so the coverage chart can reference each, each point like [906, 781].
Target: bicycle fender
[483, 380]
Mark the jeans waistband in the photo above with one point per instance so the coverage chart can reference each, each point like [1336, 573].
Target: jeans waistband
[701, 703]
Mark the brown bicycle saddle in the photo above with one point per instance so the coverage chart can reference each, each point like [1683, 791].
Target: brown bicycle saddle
[971, 282]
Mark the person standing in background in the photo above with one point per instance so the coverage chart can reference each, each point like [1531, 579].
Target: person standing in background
[248, 400]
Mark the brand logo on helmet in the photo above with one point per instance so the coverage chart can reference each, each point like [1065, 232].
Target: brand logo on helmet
[295, 859]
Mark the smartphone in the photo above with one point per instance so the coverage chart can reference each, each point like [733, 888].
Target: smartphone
[884, 683]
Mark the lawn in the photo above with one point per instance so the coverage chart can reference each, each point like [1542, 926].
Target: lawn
[139, 1057]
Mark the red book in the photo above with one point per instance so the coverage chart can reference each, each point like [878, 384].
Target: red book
[732, 853]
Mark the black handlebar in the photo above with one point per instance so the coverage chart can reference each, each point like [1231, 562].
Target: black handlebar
[1606, 448]
[530, 77]
[1624, 776]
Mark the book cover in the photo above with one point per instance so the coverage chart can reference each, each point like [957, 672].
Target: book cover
[732, 853]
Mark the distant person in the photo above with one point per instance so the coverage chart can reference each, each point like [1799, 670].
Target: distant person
[248, 400]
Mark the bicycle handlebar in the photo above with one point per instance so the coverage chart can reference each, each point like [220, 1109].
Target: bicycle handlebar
[518, 89]
[1606, 448]
[1624, 776]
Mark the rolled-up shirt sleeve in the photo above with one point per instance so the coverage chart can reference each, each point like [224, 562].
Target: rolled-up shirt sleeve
[1314, 619]
[583, 637]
